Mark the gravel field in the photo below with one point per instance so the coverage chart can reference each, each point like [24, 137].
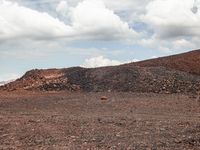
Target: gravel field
[72, 120]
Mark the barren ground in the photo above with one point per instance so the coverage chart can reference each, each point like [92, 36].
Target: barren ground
[82, 121]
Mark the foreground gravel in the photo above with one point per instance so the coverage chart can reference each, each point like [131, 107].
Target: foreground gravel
[82, 121]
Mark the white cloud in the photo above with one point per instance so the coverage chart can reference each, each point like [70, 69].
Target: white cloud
[90, 19]
[94, 21]
[174, 25]
[20, 22]
[168, 24]
[183, 43]
[9, 76]
[130, 10]
[63, 7]
[101, 61]
[172, 18]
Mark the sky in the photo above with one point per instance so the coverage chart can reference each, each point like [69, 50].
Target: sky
[92, 33]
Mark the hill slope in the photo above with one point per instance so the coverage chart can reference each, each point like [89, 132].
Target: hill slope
[173, 74]
[187, 62]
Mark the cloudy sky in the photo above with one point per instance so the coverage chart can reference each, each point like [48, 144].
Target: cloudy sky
[92, 33]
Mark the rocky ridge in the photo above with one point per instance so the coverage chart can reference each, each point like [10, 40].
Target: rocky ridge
[187, 62]
[173, 74]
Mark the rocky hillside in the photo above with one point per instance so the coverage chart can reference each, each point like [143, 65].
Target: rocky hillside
[187, 62]
[174, 74]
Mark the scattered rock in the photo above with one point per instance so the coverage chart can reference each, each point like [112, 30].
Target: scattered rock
[103, 98]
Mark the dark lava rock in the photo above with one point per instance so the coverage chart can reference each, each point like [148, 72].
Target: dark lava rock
[173, 74]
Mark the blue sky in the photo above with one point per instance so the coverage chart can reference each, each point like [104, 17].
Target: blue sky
[93, 33]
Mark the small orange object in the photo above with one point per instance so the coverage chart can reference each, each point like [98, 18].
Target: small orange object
[103, 98]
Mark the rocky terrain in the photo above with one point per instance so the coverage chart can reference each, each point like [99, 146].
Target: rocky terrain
[148, 105]
[173, 74]
[73, 120]
[187, 62]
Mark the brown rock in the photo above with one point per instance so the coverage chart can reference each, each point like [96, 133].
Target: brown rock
[103, 98]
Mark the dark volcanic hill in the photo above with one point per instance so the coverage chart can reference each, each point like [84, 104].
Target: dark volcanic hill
[187, 62]
[173, 74]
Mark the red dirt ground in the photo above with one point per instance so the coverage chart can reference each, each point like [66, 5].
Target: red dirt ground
[82, 121]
